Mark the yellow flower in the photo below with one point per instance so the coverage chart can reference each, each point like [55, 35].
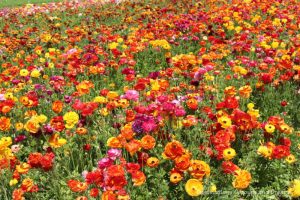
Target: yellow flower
[155, 85]
[213, 188]
[32, 125]
[8, 95]
[194, 187]
[19, 126]
[264, 151]
[100, 99]
[104, 112]
[251, 111]
[56, 142]
[177, 124]
[35, 73]
[13, 182]
[51, 65]
[113, 45]
[229, 153]
[290, 159]
[270, 128]
[294, 189]
[275, 45]
[5, 142]
[71, 119]
[120, 40]
[24, 72]
[42, 60]
[42, 118]
[224, 121]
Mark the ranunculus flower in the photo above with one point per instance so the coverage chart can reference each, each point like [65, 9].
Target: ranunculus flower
[114, 153]
[105, 162]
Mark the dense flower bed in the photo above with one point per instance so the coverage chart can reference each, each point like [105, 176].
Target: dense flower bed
[150, 100]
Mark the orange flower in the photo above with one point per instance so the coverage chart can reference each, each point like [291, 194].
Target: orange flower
[114, 142]
[82, 198]
[112, 95]
[81, 131]
[18, 194]
[198, 169]
[4, 163]
[27, 184]
[108, 195]
[242, 179]
[57, 106]
[77, 186]
[138, 178]
[6, 109]
[245, 91]
[23, 168]
[130, 115]
[84, 87]
[127, 132]
[4, 123]
[182, 163]
[192, 104]
[24, 100]
[173, 149]
[230, 91]
[148, 142]
[175, 177]
[133, 146]
[190, 120]
[152, 162]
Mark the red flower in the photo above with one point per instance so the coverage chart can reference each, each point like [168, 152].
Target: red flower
[95, 177]
[229, 103]
[244, 121]
[280, 151]
[229, 167]
[47, 161]
[283, 103]
[114, 178]
[34, 159]
[266, 78]
[285, 141]
[94, 192]
[57, 123]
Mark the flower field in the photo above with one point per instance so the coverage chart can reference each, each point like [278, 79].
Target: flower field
[165, 100]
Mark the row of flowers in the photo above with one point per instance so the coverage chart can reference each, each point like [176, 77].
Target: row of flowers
[179, 92]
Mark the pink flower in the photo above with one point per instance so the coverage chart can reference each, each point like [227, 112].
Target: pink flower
[15, 148]
[131, 95]
[179, 112]
[105, 162]
[114, 153]
[84, 173]
[2, 98]
[149, 125]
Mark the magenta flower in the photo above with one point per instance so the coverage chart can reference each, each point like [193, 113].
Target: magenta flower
[105, 162]
[149, 125]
